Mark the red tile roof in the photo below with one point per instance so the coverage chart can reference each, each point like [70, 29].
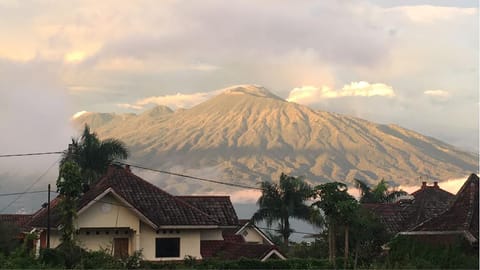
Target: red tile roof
[218, 207]
[232, 250]
[428, 202]
[18, 220]
[462, 214]
[156, 205]
[392, 215]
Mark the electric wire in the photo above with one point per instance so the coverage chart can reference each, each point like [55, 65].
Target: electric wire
[191, 177]
[29, 187]
[31, 154]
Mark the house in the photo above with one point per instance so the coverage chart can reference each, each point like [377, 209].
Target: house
[403, 215]
[18, 221]
[125, 213]
[459, 220]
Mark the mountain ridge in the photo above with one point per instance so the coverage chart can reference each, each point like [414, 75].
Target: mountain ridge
[247, 133]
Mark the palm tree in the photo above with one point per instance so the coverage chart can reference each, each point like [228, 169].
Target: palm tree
[93, 155]
[283, 201]
[381, 193]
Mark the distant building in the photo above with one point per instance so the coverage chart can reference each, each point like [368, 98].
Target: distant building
[459, 220]
[409, 211]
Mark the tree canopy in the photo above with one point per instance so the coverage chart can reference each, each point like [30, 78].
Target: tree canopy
[93, 155]
[282, 201]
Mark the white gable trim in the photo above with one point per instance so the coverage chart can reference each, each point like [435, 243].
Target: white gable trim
[121, 199]
[272, 252]
[262, 234]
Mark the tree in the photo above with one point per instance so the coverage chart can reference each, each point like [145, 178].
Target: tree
[340, 209]
[381, 193]
[283, 201]
[93, 155]
[69, 186]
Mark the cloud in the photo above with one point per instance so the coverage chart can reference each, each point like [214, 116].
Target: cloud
[78, 114]
[312, 94]
[174, 101]
[130, 106]
[432, 14]
[437, 93]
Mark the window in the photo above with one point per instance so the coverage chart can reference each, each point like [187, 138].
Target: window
[167, 247]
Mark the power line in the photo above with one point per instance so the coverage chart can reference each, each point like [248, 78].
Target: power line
[31, 154]
[30, 186]
[191, 177]
[18, 193]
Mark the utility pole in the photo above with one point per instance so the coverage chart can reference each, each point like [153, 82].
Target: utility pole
[48, 218]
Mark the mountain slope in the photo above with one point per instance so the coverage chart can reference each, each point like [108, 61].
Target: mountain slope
[247, 133]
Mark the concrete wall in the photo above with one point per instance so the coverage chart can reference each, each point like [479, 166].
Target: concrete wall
[108, 213]
[189, 242]
[251, 235]
[214, 234]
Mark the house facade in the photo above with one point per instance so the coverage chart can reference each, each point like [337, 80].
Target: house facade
[124, 213]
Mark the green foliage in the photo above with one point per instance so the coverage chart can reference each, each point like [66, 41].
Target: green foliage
[316, 249]
[340, 208]
[269, 264]
[69, 186]
[8, 243]
[101, 260]
[52, 258]
[368, 236]
[283, 201]
[381, 193]
[406, 252]
[20, 258]
[93, 155]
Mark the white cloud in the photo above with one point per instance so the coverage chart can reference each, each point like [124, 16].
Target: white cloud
[432, 14]
[437, 93]
[173, 101]
[78, 114]
[129, 106]
[312, 94]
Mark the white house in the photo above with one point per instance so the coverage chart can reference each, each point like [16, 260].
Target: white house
[124, 213]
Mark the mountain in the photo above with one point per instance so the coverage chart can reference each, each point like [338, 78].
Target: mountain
[247, 134]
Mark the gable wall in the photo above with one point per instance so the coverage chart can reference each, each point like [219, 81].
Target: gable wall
[108, 215]
[251, 235]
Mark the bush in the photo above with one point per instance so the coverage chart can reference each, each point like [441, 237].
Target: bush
[52, 258]
[20, 258]
[101, 260]
[269, 264]
[409, 253]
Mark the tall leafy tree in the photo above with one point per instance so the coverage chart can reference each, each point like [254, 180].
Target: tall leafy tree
[93, 155]
[69, 186]
[340, 209]
[282, 201]
[380, 193]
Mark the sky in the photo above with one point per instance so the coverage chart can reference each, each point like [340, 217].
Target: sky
[413, 63]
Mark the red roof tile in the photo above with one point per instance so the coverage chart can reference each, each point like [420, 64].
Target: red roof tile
[232, 251]
[462, 214]
[156, 205]
[18, 220]
[428, 202]
[218, 207]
